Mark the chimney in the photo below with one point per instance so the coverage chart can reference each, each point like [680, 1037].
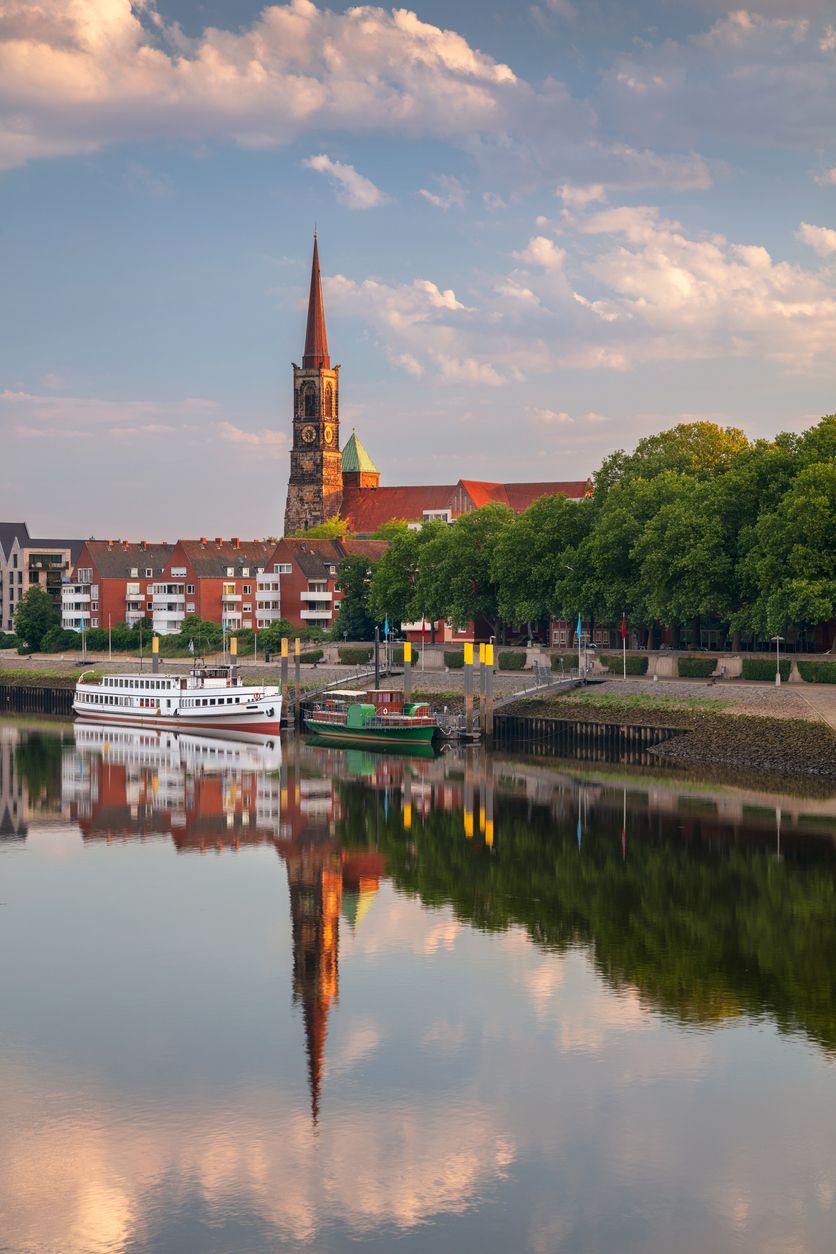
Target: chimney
[219, 541]
[125, 545]
[203, 541]
[144, 546]
[236, 542]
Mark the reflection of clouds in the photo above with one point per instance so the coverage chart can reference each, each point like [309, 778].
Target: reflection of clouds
[590, 1017]
[359, 1040]
[402, 923]
[543, 981]
[443, 1037]
[80, 1181]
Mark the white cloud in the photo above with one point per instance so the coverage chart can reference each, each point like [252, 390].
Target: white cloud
[580, 197]
[543, 252]
[141, 180]
[828, 178]
[820, 238]
[452, 194]
[274, 442]
[355, 191]
[552, 417]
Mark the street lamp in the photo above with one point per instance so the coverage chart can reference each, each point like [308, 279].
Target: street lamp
[777, 640]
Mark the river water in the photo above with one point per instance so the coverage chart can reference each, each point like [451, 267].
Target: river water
[262, 996]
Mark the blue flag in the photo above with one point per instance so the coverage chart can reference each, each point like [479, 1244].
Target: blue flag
[386, 627]
[579, 625]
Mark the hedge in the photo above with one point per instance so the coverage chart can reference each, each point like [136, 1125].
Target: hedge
[354, 654]
[636, 664]
[512, 660]
[568, 659]
[313, 656]
[454, 659]
[7, 640]
[763, 668]
[696, 667]
[818, 672]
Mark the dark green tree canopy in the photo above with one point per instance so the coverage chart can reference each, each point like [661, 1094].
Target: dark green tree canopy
[34, 617]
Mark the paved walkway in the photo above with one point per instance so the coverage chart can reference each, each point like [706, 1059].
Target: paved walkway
[822, 698]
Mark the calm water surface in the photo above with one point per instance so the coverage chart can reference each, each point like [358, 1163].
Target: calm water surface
[262, 996]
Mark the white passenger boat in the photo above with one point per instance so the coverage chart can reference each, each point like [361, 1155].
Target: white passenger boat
[210, 698]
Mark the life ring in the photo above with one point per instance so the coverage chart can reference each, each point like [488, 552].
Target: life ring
[383, 709]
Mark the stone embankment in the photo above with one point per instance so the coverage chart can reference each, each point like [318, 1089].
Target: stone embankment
[776, 731]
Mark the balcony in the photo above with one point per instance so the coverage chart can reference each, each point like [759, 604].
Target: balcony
[167, 598]
[230, 598]
[317, 598]
[315, 615]
[76, 594]
[132, 617]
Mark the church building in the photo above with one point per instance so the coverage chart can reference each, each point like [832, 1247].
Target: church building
[325, 482]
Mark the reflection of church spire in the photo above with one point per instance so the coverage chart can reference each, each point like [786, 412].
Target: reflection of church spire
[315, 894]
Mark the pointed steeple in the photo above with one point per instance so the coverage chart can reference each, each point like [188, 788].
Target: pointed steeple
[316, 341]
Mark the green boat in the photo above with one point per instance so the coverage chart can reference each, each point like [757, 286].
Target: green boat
[377, 718]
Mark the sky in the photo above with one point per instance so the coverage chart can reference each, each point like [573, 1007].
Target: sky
[546, 230]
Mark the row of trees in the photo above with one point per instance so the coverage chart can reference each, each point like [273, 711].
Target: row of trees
[697, 522]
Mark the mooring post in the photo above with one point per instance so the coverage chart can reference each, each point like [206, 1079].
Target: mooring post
[489, 693]
[468, 794]
[407, 804]
[233, 653]
[377, 657]
[407, 670]
[468, 689]
[489, 803]
[297, 652]
[155, 655]
[284, 664]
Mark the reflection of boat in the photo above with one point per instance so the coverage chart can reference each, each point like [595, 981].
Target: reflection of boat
[218, 751]
[363, 763]
[374, 718]
[212, 698]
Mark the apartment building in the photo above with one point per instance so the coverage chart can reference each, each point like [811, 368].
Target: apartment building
[308, 574]
[217, 580]
[112, 582]
[27, 562]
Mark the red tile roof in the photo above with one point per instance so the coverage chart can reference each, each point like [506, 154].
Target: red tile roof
[366, 509]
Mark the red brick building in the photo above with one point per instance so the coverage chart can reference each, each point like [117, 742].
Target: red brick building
[307, 572]
[111, 583]
[212, 579]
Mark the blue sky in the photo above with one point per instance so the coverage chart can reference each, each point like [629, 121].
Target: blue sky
[545, 230]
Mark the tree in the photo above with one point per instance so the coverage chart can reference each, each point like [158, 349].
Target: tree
[455, 577]
[527, 554]
[332, 529]
[393, 589]
[692, 448]
[34, 616]
[355, 620]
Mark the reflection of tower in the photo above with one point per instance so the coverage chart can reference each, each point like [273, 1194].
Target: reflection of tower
[315, 876]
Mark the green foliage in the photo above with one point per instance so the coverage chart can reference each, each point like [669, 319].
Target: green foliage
[57, 640]
[355, 618]
[454, 659]
[818, 672]
[8, 640]
[696, 667]
[764, 668]
[527, 553]
[455, 576]
[568, 659]
[332, 529]
[636, 663]
[393, 588]
[511, 660]
[312, 656]
[354, 655]
[34, 616]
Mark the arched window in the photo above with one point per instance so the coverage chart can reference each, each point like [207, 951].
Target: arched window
[329, 401]
[310, 402]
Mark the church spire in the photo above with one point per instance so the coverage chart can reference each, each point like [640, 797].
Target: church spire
[316, 341]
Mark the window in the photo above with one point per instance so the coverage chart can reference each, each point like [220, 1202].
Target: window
[245, 570]
[282, 568]
[190, 589]
[329, 401]
[94, 622]
[310, 401]
[230, 570]
[94, 605]
[247, 589]
[134, 572]
[149, 574]
[149, 606]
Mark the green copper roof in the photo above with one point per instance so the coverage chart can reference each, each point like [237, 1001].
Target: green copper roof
[355, 457]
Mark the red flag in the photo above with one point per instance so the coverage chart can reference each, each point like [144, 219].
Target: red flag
[623, 627]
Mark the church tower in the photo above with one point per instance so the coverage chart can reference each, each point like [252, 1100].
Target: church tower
[315, 489]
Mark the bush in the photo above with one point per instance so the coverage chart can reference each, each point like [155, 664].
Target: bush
[764, 668]
[818, 672]
[7, 640]
[354, 654]
[512, 660]
[568, 659]
[25, 649]
[696, 667]
[313, 656]
[454, 659]
[57, 640]
[636, 665]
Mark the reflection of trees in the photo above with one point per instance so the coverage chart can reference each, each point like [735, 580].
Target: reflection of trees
[38, 763]
[703, 932]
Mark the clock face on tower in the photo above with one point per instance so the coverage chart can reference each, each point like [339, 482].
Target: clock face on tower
[309, 434]
[328, 433]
